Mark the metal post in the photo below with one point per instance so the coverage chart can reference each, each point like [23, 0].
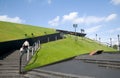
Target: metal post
[75, 26]
[55, 37]
[118, 42]
[100, 40]
[32, 51]
[48, 39]
[35, 46]
[110, 42]
[39, 44]
[20, 63]
[28, 53]
[96, 37]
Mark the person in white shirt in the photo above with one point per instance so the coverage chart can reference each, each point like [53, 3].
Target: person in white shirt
[25, 46]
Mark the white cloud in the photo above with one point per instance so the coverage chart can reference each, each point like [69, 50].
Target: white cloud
[93, 19]
[114, 30]
[9, 19]
[55, 21]
[74, 17]
[70, 17]
[93, 29]
[111, 17]
[29, 1]
[49, 1]
[114, 41]
[115, 2]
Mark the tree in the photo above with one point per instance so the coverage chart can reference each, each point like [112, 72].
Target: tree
[32, 34]
[25, 35]
[45, 33]
[115, 46]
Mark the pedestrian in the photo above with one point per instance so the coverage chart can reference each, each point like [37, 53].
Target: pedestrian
[24, 47]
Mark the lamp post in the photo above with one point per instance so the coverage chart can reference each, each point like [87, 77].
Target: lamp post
[99, 39]
[118, 42]
[75, 26]
[96, 36]
[81, 30]
[110, 42]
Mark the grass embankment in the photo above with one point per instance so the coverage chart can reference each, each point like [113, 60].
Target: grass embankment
[58, 50]
[13, 31]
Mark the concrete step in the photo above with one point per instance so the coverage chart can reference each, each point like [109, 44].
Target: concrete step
[106, 62]
[9, 73]
[12, 76]
[9, 69]
[12, 63]
[37, 73]
[9, 66]
[33, 74]
[110, 66]
[12, 58]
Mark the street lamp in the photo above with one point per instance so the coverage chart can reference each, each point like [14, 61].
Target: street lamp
[99, 39]
[118, 42]
[110, 42]
[75, 26]
[96, 36]
[81, 30]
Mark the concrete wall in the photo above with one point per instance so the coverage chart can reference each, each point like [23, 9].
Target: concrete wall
[16, 44]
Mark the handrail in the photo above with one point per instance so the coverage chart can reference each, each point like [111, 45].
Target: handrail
[31, 49]
[20, 65]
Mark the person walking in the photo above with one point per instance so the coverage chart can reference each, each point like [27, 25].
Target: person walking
[25, 46]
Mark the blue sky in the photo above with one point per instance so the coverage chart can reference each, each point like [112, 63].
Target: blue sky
[100, 17]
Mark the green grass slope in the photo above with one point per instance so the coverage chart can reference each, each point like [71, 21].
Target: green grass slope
[13, 31]
[59, 50]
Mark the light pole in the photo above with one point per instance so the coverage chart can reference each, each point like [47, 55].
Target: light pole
[96, 37]
[118, 42]
[82, 30]
[99, 39]
[110, 42]
[75, 26]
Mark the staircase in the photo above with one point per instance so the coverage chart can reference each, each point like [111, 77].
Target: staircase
[9, 66]
[38, 73]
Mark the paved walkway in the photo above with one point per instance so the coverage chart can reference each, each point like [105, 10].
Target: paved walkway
[103, 56]
[90, 69]
[106, 65]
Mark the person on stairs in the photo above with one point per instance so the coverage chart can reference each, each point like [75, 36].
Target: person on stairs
[25, 47]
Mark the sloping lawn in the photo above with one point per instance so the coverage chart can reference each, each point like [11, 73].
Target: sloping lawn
[13, 31]
[62, 49]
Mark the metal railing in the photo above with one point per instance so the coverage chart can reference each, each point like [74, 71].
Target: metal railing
[31, 49]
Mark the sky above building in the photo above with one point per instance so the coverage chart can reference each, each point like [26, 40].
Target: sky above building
[101, 17]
